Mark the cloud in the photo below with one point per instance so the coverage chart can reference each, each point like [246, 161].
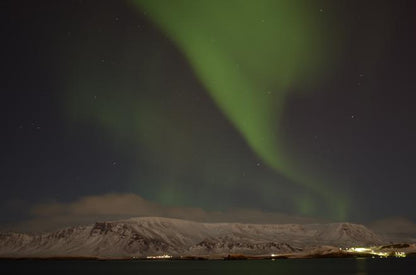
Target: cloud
[395, 229]
[394, 225]
[114, 206]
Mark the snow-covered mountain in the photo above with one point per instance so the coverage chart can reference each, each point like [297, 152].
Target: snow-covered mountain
[139, 237]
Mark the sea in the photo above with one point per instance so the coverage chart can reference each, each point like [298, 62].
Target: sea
[279, 266]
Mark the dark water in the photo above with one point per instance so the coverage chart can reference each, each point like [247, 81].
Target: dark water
[292, 266]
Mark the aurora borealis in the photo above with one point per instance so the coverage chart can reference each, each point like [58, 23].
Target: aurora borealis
[228, 44]
[295, 107]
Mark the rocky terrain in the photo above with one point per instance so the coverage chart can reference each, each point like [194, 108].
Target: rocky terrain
[146, 236]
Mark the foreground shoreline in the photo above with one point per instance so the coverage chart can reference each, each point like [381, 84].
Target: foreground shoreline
[230, 257]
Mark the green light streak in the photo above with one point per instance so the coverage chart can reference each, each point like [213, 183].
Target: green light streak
[248, 54]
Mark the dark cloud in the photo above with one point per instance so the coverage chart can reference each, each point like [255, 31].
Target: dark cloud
[397, 229]
[89, 209]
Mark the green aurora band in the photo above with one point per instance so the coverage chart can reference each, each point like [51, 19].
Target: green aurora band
[248, 55]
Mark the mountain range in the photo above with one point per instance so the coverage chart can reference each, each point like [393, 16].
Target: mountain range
[145, 236]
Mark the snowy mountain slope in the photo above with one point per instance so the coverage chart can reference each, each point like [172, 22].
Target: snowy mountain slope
[138, 237]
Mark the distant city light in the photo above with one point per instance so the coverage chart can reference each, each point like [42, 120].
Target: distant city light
[366, 250]
[399, 254]
[359, 249]
[159, 257]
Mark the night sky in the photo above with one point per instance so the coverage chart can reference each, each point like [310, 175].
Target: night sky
[290, 108]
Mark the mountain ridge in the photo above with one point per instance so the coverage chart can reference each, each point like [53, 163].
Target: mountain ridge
[144, 236]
